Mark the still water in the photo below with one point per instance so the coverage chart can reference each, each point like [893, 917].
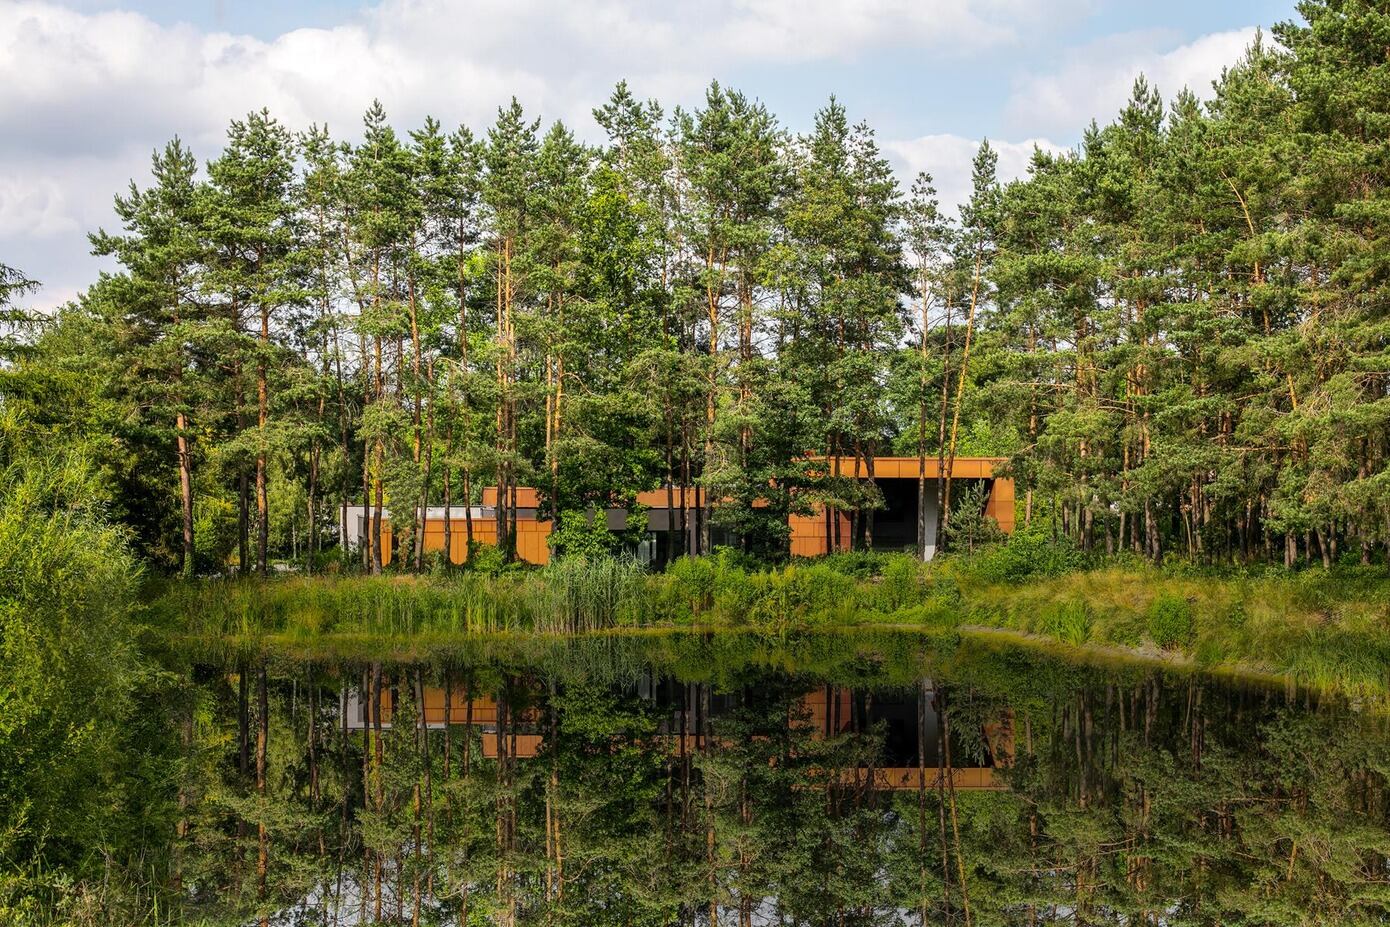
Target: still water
[822, 780]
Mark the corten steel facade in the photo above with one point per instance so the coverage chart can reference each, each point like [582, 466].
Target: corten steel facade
[895, 526]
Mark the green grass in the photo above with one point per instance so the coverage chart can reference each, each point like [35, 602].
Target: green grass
[1328, 630]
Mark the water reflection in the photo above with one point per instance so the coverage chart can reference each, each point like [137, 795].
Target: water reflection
[906, 724]
[707, 781]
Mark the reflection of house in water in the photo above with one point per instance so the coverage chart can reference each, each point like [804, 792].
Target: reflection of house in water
[689, 724]
[672, 512]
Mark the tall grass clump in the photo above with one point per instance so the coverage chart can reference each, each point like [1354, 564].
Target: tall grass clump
[571, 595]
[1170, 621]
[592, 594]
[1069, 622]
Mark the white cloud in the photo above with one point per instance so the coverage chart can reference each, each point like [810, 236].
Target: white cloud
[948, 158]
[34, 206]
[88, 95]
[47, 207]
[85, 80]
[1097, 80]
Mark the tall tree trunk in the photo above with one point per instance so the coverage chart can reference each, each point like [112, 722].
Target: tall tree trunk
[922, 439]
[312, 502]
[424, 502]
[448, 500]
[504, 419]
[417, 449]
[379, 466]
[243, 523]
[262, 415]
[186, 493]
[945, 514]
[941, 417]
[377, 780]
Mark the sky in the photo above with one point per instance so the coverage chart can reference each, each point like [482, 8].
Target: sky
[90, 88]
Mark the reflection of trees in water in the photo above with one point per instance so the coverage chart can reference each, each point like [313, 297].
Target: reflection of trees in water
[758, 798]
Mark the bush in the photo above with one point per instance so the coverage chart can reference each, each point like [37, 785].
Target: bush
[1027, 555]
[71, 672]
[486, 559]
[1171, 625]
[902, 585]
[861, 564]
[798, 595]
[687, 588]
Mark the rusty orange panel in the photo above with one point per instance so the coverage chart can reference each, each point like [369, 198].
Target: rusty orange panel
[458, 541]
[656, 498]
[531, 541]
[1000, 506]
[901, 778]
[484, 708]
[527, 497]
[808, 533]
[820, 709]
[522, 746]
[889, 468]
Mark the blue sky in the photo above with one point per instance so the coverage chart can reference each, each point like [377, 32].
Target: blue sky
[94, 85]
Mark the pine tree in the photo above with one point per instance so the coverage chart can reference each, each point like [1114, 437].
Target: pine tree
[251, 222]
[164, 320]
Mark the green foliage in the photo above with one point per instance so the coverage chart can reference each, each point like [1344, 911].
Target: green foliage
[586, 534]
[902, 584]
[860, 564]
[1170, 622]
[1304, 627]
[72, 679]
[486, 559]
[1069, 622]
[1028, 554]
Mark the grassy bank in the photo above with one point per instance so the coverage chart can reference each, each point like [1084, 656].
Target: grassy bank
[1328, 630]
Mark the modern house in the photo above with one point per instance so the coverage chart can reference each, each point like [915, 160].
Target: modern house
[814, 534]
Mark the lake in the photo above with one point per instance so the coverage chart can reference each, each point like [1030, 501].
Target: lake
[814, 779]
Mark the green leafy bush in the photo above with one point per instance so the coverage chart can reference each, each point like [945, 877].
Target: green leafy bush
[486, 559]
[1027, 555]
[860, 564]
[1171, 624]
[687, 588]
[798, 595]
[902, 585]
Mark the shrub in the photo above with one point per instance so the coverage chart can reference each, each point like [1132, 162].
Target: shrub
[580, 533]
[687, 588]
[1027, 555]
[798, 595]
[486, 559]
[861, 564]
[1171, 625]
[902, 584]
